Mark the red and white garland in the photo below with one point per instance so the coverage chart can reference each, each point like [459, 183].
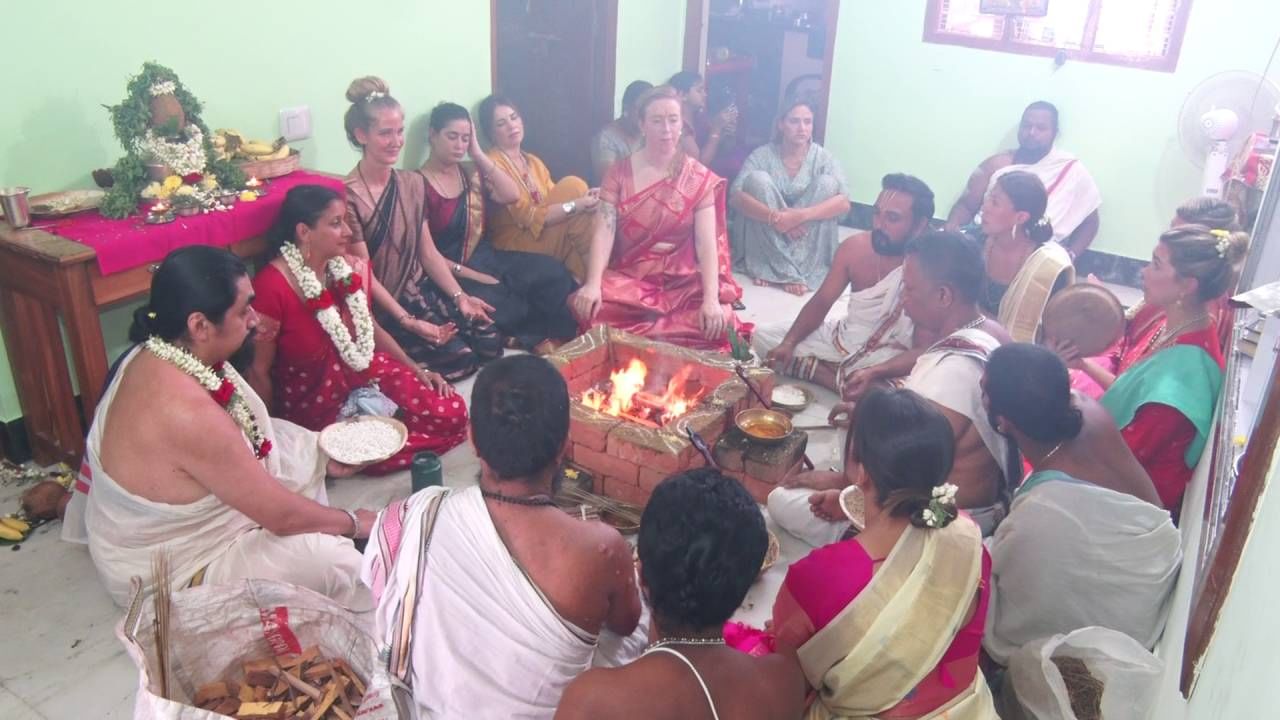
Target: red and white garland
[357, 353]
[223, 383]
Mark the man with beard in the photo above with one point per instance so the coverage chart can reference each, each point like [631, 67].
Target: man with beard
[490, 598]
[942, 279]
[182, 456]
[874, 329]
[1074, 198]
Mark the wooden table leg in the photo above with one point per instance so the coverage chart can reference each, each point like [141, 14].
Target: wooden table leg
[84, 330]
[40, 372]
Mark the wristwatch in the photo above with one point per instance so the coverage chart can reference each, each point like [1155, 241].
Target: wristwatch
[569, 207]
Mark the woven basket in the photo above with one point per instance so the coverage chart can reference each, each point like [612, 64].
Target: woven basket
[266, 169]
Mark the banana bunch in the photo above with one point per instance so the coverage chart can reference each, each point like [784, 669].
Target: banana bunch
[233, 145]
[13, 529]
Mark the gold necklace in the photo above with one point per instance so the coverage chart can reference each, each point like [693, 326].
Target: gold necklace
[1162, 339]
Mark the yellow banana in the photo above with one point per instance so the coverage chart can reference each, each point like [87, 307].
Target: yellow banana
[8, 533]
[257, 147]
[21, 526]
[280, 154]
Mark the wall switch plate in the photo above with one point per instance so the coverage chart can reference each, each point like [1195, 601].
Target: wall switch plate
[295, 123]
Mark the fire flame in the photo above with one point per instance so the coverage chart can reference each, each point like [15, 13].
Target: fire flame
[628, 383]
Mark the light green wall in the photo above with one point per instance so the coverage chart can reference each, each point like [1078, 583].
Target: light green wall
[650, 42]
[245, 60]
[900, 104]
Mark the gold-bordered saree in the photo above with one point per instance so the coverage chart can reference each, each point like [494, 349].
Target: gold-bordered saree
[895, 632]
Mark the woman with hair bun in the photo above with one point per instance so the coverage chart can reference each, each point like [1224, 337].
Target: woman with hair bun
[1086, 542]
[419, 301]
[889, 623]
[1024, 266]
[1169, 376]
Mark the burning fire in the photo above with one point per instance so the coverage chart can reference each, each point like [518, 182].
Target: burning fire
[626, 396]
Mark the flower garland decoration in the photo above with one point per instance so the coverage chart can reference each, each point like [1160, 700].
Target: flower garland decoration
[357, 353]
[941, 509]
[223, 383]
[131, 119]
[183, 158]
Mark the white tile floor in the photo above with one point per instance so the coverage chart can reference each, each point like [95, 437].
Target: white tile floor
[59, 657]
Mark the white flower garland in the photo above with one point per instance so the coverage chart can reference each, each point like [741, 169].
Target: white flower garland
[164, 87]
[238, 407]
[182, 158]
[357, 353]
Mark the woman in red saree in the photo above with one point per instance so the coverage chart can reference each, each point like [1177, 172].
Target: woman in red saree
[305, 370]
[659, 263]
[889, 623]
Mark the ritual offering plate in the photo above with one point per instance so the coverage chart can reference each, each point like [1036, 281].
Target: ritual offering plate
[66, 202]
[764, 426]
[1086, 314]
[771, 555]
[364, 440]
[161, 219]
[792, 398]
[853, 503]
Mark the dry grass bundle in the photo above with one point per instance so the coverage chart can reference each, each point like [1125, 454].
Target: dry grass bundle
[160, 596]
[1083, 689]
[623, 516]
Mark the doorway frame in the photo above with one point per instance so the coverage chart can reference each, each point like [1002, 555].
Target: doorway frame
[609, 71]
[697, 18]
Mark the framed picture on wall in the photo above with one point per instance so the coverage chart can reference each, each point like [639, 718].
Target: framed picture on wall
[1026, 8]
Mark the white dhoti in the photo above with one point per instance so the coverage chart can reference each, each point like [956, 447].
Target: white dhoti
[789, 510]
[873, 330]
[1073, 194]
[208, 540]
[485, 642]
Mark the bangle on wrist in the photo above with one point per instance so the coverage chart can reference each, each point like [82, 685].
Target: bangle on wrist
[457, 268]
[355, 524]
[454, 297]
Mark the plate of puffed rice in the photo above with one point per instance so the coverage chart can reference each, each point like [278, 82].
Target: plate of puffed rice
[364, 439]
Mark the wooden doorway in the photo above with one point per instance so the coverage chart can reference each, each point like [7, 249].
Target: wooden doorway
[555, 59]
[758, 54]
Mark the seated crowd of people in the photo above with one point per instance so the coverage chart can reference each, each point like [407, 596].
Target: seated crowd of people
[1010, 488]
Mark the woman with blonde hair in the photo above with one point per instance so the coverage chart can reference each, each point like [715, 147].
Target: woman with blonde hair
[1165, 395]
[419, 301]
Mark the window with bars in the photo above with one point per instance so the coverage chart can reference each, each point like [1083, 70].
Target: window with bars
[1136, 33]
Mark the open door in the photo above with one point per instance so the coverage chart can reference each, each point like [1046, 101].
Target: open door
[555, 59]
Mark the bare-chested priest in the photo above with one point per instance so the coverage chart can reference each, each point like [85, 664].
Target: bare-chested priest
[182, 456]
[874, 328]
[942, 277]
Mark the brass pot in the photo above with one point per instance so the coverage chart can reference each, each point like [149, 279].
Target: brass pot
[769, 427]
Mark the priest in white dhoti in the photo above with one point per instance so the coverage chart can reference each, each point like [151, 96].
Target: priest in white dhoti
[874, 327]
[182, 457]
[943, 277]
[491, 599]
[1074, 197]
[1087, 542]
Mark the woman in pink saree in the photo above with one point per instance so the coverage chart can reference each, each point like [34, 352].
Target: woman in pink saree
[659, 264]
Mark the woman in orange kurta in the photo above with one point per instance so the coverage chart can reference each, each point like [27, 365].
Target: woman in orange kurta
[548, 218]
[660, 259]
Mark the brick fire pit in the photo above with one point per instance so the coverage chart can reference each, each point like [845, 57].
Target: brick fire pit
[627, 456]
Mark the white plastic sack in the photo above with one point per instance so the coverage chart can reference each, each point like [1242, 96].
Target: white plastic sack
[213, 629]
[1129, 673]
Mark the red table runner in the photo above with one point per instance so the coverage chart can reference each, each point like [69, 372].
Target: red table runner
[130, 242]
